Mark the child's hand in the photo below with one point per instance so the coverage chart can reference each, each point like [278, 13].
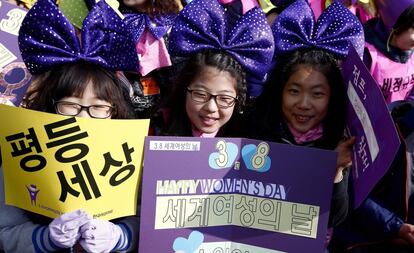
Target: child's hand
[344, 158]
[64, 230]
[100, 236]
[407, 233]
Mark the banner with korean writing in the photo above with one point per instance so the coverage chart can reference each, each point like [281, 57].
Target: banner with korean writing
[368, 119]
[14, 76]
[54, 164]
[206, 195]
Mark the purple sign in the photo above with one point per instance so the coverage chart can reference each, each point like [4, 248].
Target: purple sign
[368, 119]
[231, 195]
[14, 77]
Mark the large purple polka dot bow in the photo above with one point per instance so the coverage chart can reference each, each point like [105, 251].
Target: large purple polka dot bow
[297, 28]
[203, 25]
[158, 25]
[47, 39]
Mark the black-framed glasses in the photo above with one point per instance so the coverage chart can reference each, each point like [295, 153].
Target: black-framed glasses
[72, 109]
[222, 101]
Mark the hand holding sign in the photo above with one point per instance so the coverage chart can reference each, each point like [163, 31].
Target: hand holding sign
[64, 230]
[407, 233]
[344, 159]
[101, 236]
[368, 119]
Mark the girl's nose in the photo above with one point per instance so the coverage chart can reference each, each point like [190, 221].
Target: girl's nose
[211, 105]
[304, 102]
[84, 114]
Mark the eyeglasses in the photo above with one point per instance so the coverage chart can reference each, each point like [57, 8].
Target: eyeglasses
[72, 109]
[222, 101]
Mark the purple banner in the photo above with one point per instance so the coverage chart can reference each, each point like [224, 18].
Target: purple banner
[211, 195]
[368, 119]
[14, 77]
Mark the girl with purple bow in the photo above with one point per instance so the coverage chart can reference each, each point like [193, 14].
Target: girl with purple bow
[73, 78]
[304, 101]
[389, 49]
[384, 222]
[211, 87]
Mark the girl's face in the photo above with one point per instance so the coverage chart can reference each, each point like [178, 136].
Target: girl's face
[305, 98]
[209, 113]
[404, 40]
[86, 106]
[139, 5]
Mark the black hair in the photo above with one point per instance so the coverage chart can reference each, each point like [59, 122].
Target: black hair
[404, 21]
[155, 7]
[267, 115]
[71, 80]
[178, 123]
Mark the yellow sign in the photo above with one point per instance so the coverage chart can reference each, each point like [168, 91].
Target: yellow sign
[55, 164]
[266, 5]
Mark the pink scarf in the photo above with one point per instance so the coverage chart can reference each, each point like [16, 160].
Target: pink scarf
[153, 53]
[311, 135]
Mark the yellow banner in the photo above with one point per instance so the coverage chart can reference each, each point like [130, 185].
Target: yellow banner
[54, 164]
[266, 5]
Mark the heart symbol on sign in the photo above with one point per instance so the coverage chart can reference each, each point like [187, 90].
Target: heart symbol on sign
[190, 245]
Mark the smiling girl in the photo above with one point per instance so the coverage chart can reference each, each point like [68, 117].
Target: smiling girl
[74, 77]
[303, 102]
[206, 94]
[305, 99]
[219, 52]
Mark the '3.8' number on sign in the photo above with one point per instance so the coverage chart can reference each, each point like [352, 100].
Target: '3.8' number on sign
[259, 159]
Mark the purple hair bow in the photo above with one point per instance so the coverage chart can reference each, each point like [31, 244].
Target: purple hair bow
[296, 28]
[203, 25]
[47, 39]
[158, 25]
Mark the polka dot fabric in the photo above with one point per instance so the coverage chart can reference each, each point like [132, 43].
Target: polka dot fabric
[296, 28]
[203, 25]
[48, 39]
[158, 25]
